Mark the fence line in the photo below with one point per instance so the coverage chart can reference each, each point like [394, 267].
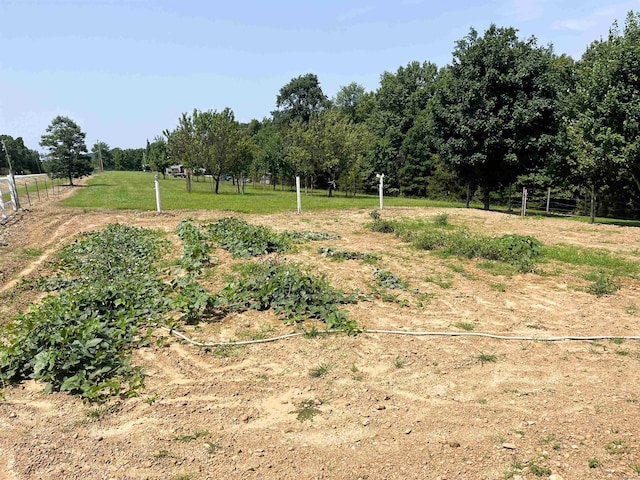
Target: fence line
[536, 200]
[29, 190]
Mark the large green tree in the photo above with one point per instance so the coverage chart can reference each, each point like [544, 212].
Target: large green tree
[218, 134]
[400, 99]
[494, 113]
[331, 147]
[182, 146]
[349, 100]
[67, 151]
[128, 158]
[299, 99]
[270, 155]
[156, 153]
[605, 129]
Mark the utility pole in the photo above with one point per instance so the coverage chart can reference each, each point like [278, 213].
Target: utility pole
[100, 165]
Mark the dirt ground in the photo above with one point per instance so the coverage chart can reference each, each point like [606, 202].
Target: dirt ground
[388, 406]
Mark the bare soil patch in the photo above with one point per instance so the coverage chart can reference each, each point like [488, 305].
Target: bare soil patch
[388, 407]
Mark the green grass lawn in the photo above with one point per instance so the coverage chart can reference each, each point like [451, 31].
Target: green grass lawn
[135, 190]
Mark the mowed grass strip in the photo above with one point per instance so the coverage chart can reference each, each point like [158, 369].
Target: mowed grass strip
[136, 191]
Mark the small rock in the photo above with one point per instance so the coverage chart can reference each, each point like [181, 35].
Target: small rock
[366, 423]
[509, 446]
[555, 476]
[454, 444]
[407, 431]
[381, 407]
[13, 415]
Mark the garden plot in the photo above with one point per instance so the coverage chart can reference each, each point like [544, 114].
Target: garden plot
[357, 405]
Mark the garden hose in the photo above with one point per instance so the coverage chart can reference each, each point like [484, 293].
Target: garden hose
[403, 332]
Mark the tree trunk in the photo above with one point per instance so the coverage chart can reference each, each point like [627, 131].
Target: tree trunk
[70, 180]
[217, 183]
[592, 214]
[468, 195]
[635, 179]
[486, 198]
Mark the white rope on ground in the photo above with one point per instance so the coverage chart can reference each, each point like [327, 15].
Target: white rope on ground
[403, 332]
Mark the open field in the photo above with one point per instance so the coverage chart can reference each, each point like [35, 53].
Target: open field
[135, 190]
[370, 406]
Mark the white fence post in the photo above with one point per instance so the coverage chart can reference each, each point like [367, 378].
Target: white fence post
[380, 187]
[158, 194]
[524, 202]
[298, 194]
[2, 214]
[12, 194]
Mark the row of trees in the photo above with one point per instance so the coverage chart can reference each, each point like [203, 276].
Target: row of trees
[23, 159]
[505, 112]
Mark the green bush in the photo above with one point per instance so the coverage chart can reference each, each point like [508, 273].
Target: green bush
[441, 220]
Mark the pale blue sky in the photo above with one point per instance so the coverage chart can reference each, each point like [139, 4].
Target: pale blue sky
[125, 70]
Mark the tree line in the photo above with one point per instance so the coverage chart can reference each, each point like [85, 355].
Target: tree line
[505, 113]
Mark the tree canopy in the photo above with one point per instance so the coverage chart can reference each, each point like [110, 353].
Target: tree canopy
[299, 99]
[494, 112]
[605, 131]
[23, 159]
[67, 151]
[505, 111]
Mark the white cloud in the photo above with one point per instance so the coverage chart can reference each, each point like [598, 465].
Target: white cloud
[525, 9]
[597, 19]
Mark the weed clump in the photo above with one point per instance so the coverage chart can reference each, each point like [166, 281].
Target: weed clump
[603, 284]
[381, 225]
[290, 291]
[338, 255]
[521, 251]
[245, 240]
[196, 247]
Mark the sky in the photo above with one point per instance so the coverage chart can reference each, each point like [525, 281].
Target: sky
[125, 70]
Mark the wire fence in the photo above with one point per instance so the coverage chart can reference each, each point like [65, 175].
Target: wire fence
[539, 200]
[30, 190]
